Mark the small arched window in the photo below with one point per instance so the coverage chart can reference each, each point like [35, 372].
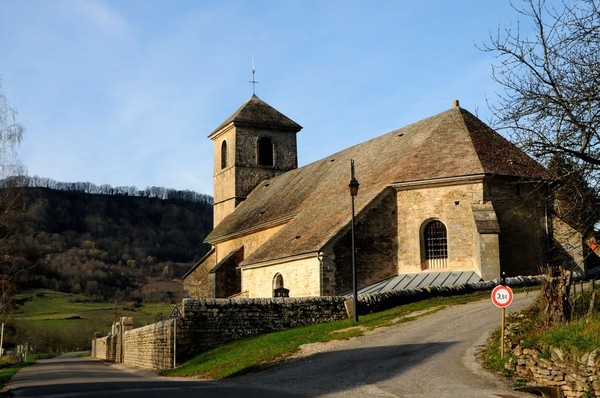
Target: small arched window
[278, 289]
[265, 151]
[435, 245]
[223, 154]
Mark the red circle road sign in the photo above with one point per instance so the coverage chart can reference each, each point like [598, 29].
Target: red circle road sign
[502, 296]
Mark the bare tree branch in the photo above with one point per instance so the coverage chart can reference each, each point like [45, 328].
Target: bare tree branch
[11, 168]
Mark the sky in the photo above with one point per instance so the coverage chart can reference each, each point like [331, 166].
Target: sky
[126, 92]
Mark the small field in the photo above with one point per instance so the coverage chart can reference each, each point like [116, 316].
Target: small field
[40, 305]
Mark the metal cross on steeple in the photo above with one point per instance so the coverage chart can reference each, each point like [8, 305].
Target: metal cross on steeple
[253, 81]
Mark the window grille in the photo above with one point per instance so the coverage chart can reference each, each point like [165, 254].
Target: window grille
[436, 245]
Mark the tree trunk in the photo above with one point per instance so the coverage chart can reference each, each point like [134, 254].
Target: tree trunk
[592, 299]
[556, 291]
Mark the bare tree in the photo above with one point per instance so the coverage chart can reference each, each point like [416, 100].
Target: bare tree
[550, 105]
[11, 169]
[550, 102]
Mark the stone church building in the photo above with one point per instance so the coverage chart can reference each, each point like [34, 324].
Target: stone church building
[446, 193]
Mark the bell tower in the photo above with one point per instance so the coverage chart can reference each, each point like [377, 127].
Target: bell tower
[257, 142]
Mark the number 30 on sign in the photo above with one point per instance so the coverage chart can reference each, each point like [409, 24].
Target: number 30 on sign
[502, 296]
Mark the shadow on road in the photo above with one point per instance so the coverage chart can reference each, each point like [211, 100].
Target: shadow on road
[327, 372]
[339, 370]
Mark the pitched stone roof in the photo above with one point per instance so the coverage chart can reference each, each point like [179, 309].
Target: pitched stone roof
[314, 198]
[256, 112]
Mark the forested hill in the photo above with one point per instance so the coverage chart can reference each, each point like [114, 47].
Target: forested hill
[109, 246]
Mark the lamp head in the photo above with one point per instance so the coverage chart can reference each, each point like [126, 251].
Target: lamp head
[353, 187]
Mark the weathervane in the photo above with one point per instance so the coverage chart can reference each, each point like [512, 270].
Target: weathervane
[253, 81]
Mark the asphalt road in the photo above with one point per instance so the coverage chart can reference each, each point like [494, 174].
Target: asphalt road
[433, 356]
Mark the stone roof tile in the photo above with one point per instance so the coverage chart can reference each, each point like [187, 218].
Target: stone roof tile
[256, 112]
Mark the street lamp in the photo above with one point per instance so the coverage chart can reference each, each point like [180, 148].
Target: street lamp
[353, 192]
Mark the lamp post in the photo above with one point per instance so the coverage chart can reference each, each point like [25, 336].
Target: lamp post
[353, 192]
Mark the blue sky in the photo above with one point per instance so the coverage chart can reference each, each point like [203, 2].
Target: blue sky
[126, 92]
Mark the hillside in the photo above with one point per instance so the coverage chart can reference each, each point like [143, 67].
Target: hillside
[111, 247]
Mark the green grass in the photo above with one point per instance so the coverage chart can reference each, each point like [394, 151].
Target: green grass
[491, 359]
[57, 322]
[575, 338]
[9, 367]
[256, 352]
[58, 310]
[8, 372]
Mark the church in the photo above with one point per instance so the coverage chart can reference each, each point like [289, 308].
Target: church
[446, 194]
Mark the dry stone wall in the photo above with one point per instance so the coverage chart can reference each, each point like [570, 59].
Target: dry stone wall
[576, 377]
[210, 322]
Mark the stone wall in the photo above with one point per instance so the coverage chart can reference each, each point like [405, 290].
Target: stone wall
[376, 247]
[301, 276]
[243, 173]
[450, 204]
[225, 276]
[521, 215]
[207, 323]
[579, 377]
[210, 322]
[197, 282]
[150, 346]
[105, 348]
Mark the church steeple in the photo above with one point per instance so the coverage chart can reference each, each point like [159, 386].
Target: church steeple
[255, 143]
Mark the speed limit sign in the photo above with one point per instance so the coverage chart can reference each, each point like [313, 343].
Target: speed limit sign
[502, 296]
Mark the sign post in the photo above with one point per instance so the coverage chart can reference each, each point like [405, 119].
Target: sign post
[175, 313]
[502, 297]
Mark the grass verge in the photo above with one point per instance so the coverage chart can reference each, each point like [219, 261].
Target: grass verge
[8, 372]
[256, 352]
[9, 367]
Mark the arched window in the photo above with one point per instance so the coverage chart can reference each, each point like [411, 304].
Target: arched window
[277, 282]
[265, 151]
[435, 242]
[278, 289]
[223, 154]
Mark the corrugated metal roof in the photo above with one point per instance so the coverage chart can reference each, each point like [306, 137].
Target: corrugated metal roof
[421, 279]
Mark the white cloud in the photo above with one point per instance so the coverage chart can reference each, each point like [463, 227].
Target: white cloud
[102, 16]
